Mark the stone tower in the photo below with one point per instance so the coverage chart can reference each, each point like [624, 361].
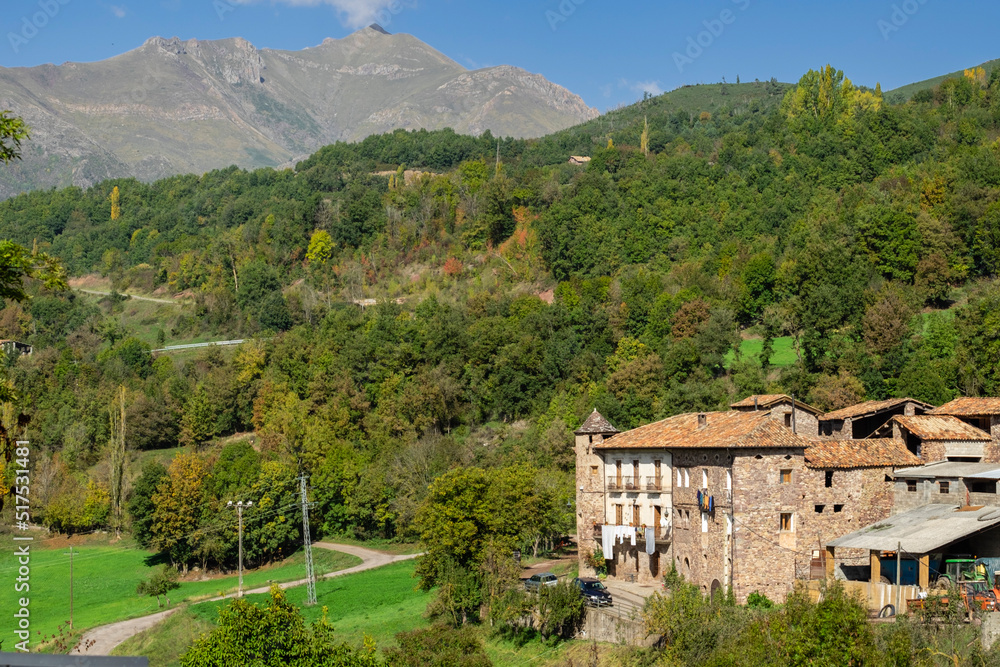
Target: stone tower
[590, 496]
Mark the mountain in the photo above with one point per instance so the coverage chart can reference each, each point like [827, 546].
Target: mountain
[904, 93]
[174, 106]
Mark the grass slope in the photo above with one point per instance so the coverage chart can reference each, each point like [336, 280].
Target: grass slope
[783, 354]
[904, 93]
[378, 603]
[105, 579]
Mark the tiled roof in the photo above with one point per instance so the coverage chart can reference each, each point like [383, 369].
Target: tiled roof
[940, 427]
[767, 400]
[969, 406]
[596, 424]
[732, 429]
[873, 452]
[871, 407]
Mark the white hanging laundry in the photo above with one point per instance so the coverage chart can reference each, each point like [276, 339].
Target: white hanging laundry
[608, 541]
[650, 540]
[631, 534]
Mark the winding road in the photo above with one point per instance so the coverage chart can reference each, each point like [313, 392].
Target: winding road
[101, 640]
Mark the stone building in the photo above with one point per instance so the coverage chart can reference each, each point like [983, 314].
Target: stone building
[744, 499]
[801, 417]
[983, 413]
[864, 419]
[946, 482]
[941, 438]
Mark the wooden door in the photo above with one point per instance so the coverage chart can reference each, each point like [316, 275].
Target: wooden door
[618, 515]
[657, 517]
[618, 473]
[657, 476]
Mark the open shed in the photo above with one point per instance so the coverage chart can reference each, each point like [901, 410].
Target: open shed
[925, 531]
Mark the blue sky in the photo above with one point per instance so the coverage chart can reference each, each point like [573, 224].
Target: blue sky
[607, 52]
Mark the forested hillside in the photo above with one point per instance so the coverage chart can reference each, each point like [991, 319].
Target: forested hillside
[514, 296]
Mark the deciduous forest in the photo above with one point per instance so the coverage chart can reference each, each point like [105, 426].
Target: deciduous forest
[513, 293]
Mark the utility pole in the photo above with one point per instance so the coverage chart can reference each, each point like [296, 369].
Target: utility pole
[70, 554]
[307, 542]
[239, 513]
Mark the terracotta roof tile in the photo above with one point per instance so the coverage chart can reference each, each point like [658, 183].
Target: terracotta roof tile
[873, 452]
[596, 424]
[871, 407]
[731, 429]
[767, 400]
[941, 427]
[969, 406]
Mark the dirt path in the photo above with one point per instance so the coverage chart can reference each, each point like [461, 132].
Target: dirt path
[101, 640]
[172, 302]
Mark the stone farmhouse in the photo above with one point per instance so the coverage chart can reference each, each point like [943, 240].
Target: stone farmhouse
[750, 498]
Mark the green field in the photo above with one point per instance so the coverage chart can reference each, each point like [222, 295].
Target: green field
[783, 355]
[378, 603]
[105, 578]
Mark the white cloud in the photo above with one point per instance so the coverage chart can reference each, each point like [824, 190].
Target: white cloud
[651, 87]
[353, 13]
[117, 10]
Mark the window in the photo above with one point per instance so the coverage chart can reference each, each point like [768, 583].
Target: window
[704, 522]
[945, 487]
[786, 522]
[911, 485]
[829, 479]
[687, 478]
[819, 509]
[618, 515]
[786, 476]
[657, 472]
[788, 419]
[729, 480]
[593, 470]
[838, 508]
[704, 479]
[679, 480]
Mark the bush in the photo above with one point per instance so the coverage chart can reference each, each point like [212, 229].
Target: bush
[160, 583]
[560, 609]
[757, 600]
[438, 646]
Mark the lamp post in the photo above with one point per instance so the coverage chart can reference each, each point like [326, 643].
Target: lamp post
[239, 513]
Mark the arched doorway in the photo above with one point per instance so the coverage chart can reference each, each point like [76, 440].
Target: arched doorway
[716, 588]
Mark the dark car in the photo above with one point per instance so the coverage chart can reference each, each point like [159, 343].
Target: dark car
[594, 592]
[536, 581]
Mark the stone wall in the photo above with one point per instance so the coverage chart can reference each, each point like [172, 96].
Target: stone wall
[612, 626]
[781, 511]
[590, 498]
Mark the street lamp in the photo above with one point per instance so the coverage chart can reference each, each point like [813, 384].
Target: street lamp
[239, 513]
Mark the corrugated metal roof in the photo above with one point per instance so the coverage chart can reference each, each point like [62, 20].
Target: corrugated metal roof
[941, 427]
[956, 469]
[596, 424]
[967, 406]
[922, 530]
[874, 452]
[767, 400]
[732, 429]
[871, 407]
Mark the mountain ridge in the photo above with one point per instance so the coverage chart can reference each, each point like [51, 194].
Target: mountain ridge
[177, 106]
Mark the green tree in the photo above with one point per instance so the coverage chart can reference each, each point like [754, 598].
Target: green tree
[438, 646]
[561, 610]
[12, 132]
[198, 419]
[274, 635]
[140, 505]
[159, 583]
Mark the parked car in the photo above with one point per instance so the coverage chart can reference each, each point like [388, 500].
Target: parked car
[536, 581]
[594, 592]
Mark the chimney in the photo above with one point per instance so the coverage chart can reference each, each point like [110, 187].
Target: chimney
[755, 408]
[702, 420]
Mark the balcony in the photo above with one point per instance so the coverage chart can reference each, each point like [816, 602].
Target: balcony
[654, 484]
[624, 483]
